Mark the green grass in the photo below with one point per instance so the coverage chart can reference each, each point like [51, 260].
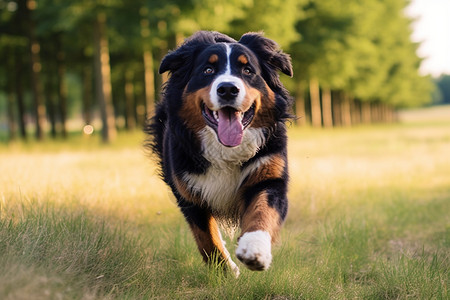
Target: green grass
[368, 219]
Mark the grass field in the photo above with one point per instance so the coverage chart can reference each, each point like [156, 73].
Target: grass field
[369, 219]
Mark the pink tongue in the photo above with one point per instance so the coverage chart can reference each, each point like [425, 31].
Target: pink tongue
[230, 129]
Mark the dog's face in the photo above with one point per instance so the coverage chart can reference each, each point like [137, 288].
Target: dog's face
[227, 83]
[227, 88]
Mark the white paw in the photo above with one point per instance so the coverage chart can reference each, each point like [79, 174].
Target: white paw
[254, 250]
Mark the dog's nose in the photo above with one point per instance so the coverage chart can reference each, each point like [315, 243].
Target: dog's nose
[227, 91]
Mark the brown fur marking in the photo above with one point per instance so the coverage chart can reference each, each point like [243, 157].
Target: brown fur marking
[184, 191]
[260, 216]
[264, 117]
[213, 59]
[273, 169]
[190, 110]
[209, 242]
[242, 59]
[252, 95]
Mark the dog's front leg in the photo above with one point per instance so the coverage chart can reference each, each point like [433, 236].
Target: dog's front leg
[207, 235]
[260, 224]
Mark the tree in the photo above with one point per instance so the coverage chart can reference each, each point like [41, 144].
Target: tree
[147, 55]
[321, 53]
[14, 50]
[79, 15]
[362, 50]
[443, 84]
[103, 77]
[275, 18]
[353, 60]
[26, 7]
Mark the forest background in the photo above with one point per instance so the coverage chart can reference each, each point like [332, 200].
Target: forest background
[68, 64]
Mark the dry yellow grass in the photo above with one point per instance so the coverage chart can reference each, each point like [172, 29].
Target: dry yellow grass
[122, 184]
[368, 219]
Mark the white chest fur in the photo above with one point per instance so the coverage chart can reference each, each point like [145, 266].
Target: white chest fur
[221, 182]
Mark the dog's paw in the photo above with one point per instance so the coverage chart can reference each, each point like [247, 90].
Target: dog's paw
[254, 250]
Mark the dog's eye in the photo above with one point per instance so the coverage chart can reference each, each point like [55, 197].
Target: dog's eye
[247, 71]
[208, 70]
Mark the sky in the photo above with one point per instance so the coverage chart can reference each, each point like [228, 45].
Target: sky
[432, 29]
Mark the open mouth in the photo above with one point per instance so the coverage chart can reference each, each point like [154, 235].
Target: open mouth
[228, 123]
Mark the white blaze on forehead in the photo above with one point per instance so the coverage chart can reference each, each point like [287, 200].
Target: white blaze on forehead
[228, 78]
[228, 68]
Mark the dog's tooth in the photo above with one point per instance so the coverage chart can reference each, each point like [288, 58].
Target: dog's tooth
[216, 115]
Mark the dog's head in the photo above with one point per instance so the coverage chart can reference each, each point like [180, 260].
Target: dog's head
[226, 85]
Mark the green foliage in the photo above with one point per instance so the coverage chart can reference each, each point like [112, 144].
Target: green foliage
[275, 18]
[360, 47]
[363, 48]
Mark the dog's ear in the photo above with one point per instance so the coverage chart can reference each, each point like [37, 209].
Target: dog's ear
[268, 52]
[171, 62]
[186, 53]
[271, 60]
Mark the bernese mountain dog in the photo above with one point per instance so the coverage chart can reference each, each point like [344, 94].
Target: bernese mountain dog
[220, 137]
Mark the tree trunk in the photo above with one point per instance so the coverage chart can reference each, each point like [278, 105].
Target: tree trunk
[36, 86]
[316, 114]
[392, 114]
[130, 121]
[87, 95]
[10, 108]
[380, 112]
[149, 82]
[149, 76]
[103, 79]
[19, 95]
[326, 108]
[51, 103]
[62, 88]
[375, 112]
[389, 115]
[9, 64]
[355, 111]
[300, 104]
[337, 120]
[140, 110]
[346, 117]
[365, 112]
